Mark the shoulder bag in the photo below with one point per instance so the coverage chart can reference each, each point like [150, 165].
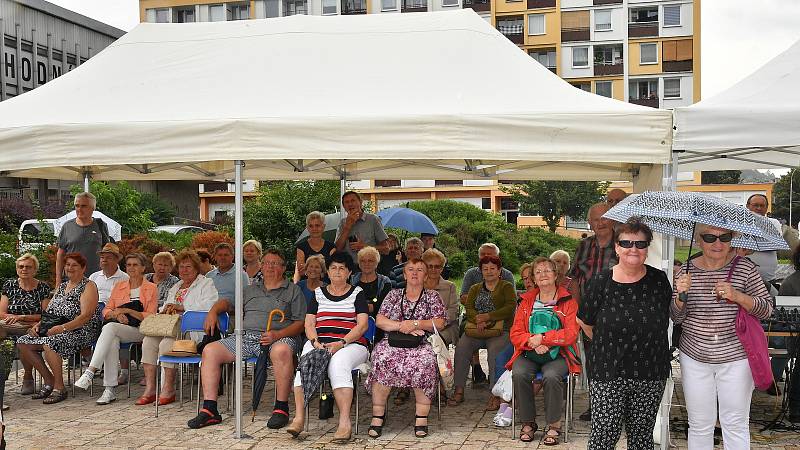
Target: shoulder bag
[161, 325]
[132, 321]
[403, 340]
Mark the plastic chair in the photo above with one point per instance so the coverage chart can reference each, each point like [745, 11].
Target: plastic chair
[191, 321]
[570, 380]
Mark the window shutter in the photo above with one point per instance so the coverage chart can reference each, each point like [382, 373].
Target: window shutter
[669, 50]
[684, 50]
[672, 15]
[572, 20]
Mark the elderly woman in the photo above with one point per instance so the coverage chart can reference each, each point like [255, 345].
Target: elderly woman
[123, 316]
[73, 327]
[489, 309]
[336, 321]
[22, 301]
[413, 311]
[533, 349]
[714, 366]
[194, 292]
[162, 277]
[315, 272]
[314, 245]
[435, 262]
[251, 252]
[375, 285]
[562, 261]
[625, 312]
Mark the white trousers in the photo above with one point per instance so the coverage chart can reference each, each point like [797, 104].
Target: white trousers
[106, 351]
[704, 386]
[340, 369]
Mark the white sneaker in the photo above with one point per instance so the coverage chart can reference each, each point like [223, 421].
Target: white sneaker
[107, 397]
[84, 382]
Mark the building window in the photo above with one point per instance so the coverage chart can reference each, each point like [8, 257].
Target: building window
[216, 13]
[449, 2]
[162, 15]
[293, 7]
[602, 20]
[584, 86]
[648, 53]
[580, 56]
[603, 88]
[388, 5]
[535, 24]
[510, 25]
[486, 203]
[239, 12]
[185, 15]
[328, 7]
[607, 55]
[672, 88]
[644, 90]
[644, 15]
[546, 58]
[672, 15]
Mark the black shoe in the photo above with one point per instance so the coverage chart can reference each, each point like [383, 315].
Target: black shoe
[278, 420]
[420, 431]
[586, 416]
[375, 431]
[478, 377]
[204, 419]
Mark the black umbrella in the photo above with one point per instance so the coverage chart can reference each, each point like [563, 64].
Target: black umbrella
[313, 367]
[262, 365]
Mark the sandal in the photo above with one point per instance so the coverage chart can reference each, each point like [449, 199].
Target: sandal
[55, 397]
[456, 399]
[204, 419]
[420, 431]
[527, 436]
[494, 403]
[43, 393]
[375, 431]
[552, 439]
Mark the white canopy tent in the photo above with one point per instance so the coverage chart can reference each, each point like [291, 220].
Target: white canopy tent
[752, 125]
[413, 96]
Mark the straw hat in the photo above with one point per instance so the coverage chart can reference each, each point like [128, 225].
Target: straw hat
[183, 347]
[111, 248]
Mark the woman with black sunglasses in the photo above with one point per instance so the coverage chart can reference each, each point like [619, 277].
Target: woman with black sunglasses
[625, 312]
[714, 365]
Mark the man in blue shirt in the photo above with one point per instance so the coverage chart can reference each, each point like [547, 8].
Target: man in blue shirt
[224, 274]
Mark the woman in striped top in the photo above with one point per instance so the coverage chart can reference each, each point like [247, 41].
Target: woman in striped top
[714, 365]
[336, 320]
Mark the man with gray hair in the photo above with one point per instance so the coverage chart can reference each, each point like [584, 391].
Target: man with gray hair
[414, 249]
[83, 234]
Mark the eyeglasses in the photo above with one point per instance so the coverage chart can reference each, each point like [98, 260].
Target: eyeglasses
[625, 243]
[434, 267]
[711, 238]
[540, 272]
[273, 264]
[24, 266]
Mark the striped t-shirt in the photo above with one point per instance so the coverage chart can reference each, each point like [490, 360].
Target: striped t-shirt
[709, 333]
[336, 315]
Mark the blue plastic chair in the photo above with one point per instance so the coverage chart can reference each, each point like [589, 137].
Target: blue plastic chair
[190, 321]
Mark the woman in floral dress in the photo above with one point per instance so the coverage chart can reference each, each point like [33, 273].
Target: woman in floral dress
[414, 311]
[75, 302]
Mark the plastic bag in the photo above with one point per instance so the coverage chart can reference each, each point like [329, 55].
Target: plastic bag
[503, 386]
[443, 360]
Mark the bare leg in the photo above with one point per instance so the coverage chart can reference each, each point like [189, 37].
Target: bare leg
[150, 379]
[299, 410]
[423, 407]
[344, 400]
[282, 357]
[169, 382]
[380, 394]
[30, 354]
[214, 356]
[55, 362]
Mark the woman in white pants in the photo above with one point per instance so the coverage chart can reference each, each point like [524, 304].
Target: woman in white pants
[336, 320]
[714, 365]
[119, 311]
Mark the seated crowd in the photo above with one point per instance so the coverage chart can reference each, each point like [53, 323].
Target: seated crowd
[346, 306]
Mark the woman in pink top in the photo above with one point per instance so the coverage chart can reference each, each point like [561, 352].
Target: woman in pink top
[122, 316]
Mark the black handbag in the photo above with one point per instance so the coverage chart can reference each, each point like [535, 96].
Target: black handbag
[325, 406]
[48, 321]
[132, 321]
[403, 340]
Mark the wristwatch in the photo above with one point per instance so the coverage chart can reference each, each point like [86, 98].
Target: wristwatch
[63, 329]
[344, 342]
[416, 324]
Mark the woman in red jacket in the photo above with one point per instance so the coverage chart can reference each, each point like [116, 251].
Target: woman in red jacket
[532, 351]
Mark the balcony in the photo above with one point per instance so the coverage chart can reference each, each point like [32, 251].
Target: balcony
[574, 34]
[351, 7]
[648, 101]
[603, 69]
[643, 29]
[478, 5]
[415, 6]
[514, 33]
[535, 4]
[677, 66]
[608, 60]
[607, 2]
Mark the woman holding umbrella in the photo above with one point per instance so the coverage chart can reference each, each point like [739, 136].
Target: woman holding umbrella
[714, 366]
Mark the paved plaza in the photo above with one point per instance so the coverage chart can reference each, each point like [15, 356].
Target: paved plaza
[79, 422]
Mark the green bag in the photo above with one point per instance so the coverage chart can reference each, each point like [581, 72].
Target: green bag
[541, 321]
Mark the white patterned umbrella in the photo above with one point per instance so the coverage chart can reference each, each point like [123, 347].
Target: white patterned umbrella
[676, 213]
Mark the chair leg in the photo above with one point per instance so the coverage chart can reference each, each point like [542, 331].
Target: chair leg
[439, 400]
[568, 411]
[355, 388]
[199, 383]
[180, 381]
[158, 385]
[513, 414]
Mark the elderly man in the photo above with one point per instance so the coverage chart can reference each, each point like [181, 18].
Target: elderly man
[281, 342]
[224, 275]
[83, 234]
[359, 228]
[615, 196]
[414, 249]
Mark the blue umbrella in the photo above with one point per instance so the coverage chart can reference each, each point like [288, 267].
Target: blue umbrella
[407, 219]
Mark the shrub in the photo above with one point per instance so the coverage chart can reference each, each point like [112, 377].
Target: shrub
[14, 211]
[209, 239]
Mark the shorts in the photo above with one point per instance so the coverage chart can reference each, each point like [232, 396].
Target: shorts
[251, 347]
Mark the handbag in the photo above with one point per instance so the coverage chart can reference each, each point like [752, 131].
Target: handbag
[48, 321]
[754, 341]
[443, 360]
[161, 325]
[325, 406]
[403, 340]
[132, 321]
[493, 329]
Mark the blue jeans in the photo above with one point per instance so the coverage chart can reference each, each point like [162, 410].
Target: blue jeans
[501, 360]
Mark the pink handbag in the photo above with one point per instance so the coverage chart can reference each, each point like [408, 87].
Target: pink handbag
[754, 342]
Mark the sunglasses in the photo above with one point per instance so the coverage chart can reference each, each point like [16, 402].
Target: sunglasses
[711, 238]
[624, 243]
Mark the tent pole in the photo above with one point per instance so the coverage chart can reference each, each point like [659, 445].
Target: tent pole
[238, 223]
[86, 181]
[342, 184]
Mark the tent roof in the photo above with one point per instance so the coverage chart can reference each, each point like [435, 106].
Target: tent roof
[436, 95]
[753, 124]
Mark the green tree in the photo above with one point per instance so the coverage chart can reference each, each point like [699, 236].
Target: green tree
[720, 177]
[553, 200]
[162, 212]
[121, 202]
[780, 197]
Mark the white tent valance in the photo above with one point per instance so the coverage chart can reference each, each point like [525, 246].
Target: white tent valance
[437, 95]
[751, 125]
